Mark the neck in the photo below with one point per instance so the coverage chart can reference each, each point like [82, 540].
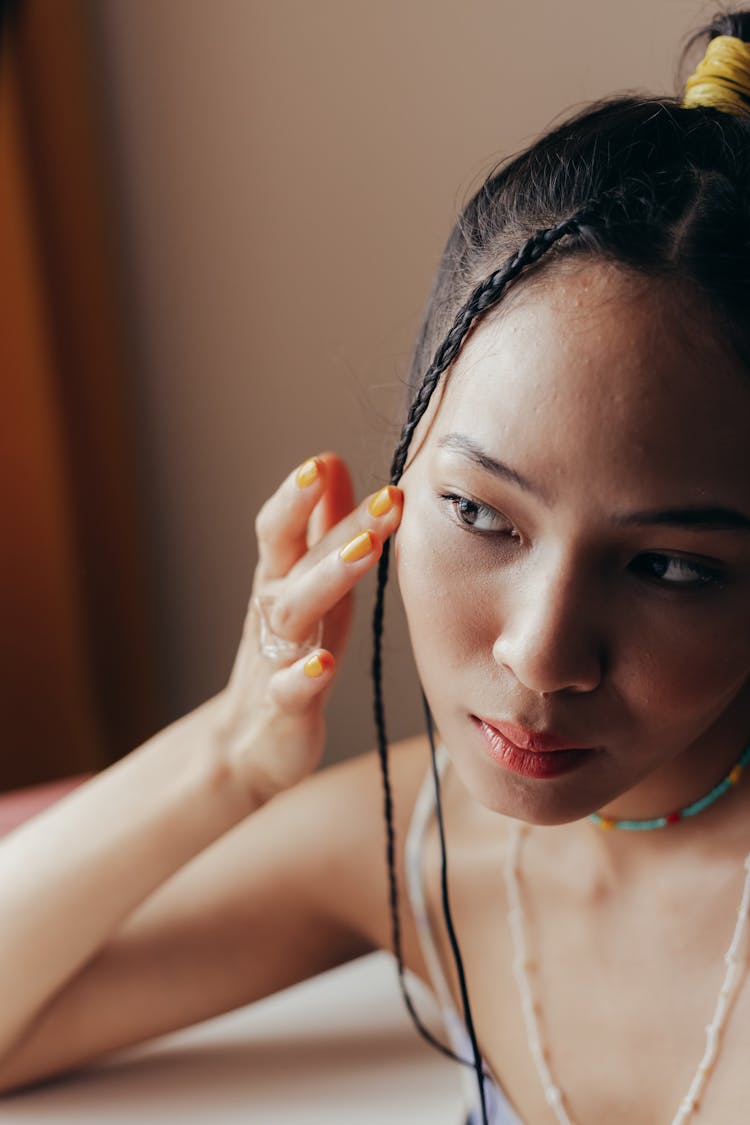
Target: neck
[692, 772]
[719, 830]
[719, 835]
[685, 812]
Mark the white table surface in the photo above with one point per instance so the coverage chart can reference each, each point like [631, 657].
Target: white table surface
[337, 1049]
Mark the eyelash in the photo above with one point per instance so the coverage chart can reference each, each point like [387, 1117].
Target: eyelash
[462, 504]
[704, 576]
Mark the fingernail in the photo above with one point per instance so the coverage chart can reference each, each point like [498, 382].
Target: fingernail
[382, 501]
[317, 664]
[360, 546]
[307, 473]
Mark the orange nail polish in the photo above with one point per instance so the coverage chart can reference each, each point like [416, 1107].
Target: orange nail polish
[382, 501]
[317, 664]
[359, 547]
[307, 473]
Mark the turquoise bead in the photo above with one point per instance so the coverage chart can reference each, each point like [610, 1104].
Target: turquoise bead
[689, 810]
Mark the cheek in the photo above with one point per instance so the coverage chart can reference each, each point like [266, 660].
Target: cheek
[448, 609]
[663, 670]
[683, 671]
[666, 666]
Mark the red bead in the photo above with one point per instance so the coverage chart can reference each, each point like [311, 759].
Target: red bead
[674, 817]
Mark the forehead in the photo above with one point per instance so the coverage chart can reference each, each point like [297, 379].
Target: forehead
[595, 370]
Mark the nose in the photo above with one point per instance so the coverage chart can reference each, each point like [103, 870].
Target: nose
[551, 637]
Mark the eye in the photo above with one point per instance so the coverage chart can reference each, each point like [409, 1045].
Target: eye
[478, 517]
[674, 571]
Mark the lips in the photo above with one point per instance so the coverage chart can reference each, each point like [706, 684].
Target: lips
[540, 755]
[539, 742]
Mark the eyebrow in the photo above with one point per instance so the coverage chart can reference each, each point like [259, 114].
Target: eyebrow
[464, 445]
[712, 517]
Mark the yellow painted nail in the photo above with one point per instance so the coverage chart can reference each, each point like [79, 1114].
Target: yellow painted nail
[381, 502]
[359, 547]
[307, 473]
[317, 664]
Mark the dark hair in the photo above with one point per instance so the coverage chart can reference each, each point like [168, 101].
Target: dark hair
[639, 181]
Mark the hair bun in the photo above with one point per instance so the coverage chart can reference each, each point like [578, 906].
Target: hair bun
[736, 24]
[721, 81]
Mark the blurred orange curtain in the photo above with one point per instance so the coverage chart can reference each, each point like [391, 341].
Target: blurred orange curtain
[77, 679]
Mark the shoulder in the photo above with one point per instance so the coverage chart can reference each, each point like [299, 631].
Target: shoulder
[348, 796]
[353, 789]
[328, 835]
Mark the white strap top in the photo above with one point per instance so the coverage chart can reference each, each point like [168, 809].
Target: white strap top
[499, 1109]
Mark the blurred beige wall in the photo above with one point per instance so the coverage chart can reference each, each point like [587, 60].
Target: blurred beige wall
[289, 171]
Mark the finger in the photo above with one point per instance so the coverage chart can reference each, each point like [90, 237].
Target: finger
[337, 500]
[281, 524]
[311, 595]
[381, 512]
[295, 688]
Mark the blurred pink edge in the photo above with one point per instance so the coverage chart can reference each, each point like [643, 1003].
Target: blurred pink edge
[19, 805]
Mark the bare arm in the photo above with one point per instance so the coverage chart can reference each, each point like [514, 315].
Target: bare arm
[289, 892]
[71, 876]
[114, 884]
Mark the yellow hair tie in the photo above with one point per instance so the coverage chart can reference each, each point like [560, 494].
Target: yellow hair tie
[722, 79]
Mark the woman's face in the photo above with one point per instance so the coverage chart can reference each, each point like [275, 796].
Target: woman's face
[574, 555]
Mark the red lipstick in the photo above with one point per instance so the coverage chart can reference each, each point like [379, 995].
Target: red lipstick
[531, 753]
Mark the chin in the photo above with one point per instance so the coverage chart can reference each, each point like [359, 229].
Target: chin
[546, 803]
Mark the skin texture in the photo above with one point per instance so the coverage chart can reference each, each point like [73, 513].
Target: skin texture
[609, 395]
[591, 386]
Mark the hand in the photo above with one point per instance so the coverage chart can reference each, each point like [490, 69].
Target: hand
[314, 546]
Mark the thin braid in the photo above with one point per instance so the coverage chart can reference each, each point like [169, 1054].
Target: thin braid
[462, 985]
[388, 812]
[484, 297]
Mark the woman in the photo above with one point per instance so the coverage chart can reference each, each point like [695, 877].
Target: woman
[571, 498]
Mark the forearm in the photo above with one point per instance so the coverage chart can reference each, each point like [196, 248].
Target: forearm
[71, 876]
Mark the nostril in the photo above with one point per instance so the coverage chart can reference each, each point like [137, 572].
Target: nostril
[548, 666]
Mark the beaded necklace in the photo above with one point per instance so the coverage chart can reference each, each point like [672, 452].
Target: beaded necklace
[531, 1008]
[702, 803]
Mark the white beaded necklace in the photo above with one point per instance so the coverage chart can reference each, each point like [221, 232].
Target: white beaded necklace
[552, 1092]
